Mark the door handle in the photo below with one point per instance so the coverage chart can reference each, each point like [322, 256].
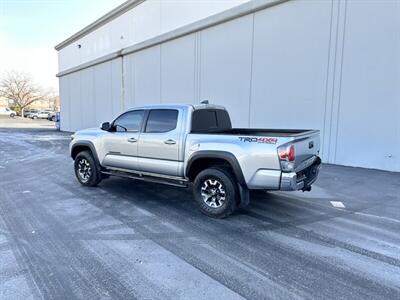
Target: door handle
[132, 140]
[170, 142]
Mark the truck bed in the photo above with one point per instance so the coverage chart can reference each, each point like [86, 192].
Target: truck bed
[306, 141]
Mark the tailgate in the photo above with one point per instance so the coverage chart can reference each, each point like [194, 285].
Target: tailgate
[306, 146]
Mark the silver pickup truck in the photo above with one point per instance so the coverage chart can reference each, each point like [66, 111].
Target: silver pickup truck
[195, 145]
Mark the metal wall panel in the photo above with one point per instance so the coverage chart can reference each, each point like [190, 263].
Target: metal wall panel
[367, 124]
[102, 79]
[116, 87]
[64, 103]
[91, 96]
[128, 99]
[75, 110]
[147, 76]
[146, 21]
[178, 59]
[290, 65]
[225, 67]
[88, 101]
[178, 13]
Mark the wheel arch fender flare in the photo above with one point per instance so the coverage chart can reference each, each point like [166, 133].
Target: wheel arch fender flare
[85, 144]
[223, 155]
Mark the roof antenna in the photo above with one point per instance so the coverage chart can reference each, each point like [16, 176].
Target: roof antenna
[204, 102]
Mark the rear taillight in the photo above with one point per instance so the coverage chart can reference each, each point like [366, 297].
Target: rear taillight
[287, 153]
[287, 156]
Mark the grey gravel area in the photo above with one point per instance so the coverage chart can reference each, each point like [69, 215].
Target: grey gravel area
[133, 240]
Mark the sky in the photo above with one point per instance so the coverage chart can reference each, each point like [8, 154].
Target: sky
[29, 30]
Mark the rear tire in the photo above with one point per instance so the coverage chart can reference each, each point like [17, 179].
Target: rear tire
[215, 191]
[12, 116]
[86, 169]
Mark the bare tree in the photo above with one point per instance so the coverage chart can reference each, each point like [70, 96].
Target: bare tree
[54, 103]
[53, 99]
[21, 89]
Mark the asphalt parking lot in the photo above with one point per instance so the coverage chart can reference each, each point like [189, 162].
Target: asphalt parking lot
[19, 122]
[133, 240]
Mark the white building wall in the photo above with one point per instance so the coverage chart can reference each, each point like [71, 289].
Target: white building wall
[64, 103]
[93, 95]
[368, 109]
[328, 65]
[178, 70]
[225, 67]
[290, 65]
[147, 20]
[87, 100]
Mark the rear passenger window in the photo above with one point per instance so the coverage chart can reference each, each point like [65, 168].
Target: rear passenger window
[161, 120]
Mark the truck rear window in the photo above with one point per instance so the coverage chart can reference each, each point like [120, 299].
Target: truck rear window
[210, 120]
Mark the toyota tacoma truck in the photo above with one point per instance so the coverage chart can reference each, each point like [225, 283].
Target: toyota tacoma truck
[196, 146]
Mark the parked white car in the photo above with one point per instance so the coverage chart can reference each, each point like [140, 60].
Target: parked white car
[5, 111]
[44, 114]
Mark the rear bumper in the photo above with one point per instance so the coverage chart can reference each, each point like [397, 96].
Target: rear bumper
[301, 180]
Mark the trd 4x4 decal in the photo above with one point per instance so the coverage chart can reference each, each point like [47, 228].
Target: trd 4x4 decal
[259, 140]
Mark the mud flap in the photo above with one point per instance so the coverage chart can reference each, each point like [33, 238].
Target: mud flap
[244, 196]
[311, 174]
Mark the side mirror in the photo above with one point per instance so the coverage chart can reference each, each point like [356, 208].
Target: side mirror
[106, 126]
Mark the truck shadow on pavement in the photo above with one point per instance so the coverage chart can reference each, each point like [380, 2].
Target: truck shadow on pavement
[266, 207]
[171, 213]
[267, 211]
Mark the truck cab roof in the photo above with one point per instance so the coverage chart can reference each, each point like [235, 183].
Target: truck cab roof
[179, 106]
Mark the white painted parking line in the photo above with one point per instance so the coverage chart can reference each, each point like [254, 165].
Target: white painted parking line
[26, 192]
[375, 216]
[338, 204]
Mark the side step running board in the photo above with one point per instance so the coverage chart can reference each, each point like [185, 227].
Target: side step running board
[168, 181]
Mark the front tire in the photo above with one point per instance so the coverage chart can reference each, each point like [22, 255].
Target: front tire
[12, 116]
[215, 191]
[86, 170]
